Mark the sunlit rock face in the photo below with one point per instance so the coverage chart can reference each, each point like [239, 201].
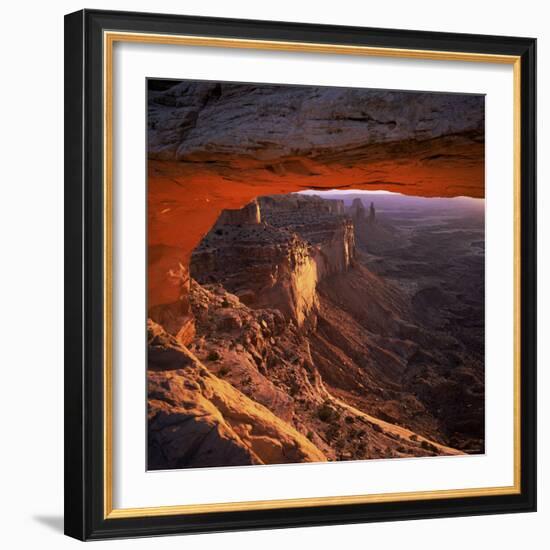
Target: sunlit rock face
[247, 215]
[321, 223]
[279, 262]
[215, 147]
[197, 420]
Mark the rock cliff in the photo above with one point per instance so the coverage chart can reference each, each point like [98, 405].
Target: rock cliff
[247, 215]
[277, 262]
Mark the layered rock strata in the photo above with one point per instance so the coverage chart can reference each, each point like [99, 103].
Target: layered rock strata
[277, 262]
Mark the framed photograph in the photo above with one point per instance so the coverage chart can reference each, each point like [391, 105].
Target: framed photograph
[300, 274]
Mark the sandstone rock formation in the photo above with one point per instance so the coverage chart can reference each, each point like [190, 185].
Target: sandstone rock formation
[357, 209]
[277, 263]
[278, 126]
[248, 214]
[217, 146]
[198, 420]
[264, 267]
[277, 333]
[372, 213]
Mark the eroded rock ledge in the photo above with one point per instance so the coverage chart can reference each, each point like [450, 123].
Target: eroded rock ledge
[274, 252]
[198, 420]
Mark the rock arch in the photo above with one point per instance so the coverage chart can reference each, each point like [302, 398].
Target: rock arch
[214, 147]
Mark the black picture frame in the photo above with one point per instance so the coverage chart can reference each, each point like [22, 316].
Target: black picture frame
[84, 281]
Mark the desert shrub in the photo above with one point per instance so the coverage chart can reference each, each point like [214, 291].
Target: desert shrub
[349, 419]
[223, 371]
[428, 446]
[310, 435]
[325, 412]
[293, 389]
[332, 433]
[214, 356]
[225, 303]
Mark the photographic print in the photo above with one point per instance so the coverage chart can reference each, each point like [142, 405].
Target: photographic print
[300, 274]
[316, 262]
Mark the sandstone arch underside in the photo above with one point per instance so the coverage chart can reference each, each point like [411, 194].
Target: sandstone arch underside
[215, 146]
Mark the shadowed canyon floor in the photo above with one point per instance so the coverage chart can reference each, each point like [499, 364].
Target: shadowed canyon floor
[325, 328]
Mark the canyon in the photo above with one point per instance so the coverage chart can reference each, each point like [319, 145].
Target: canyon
[294, 314]
[319, 330]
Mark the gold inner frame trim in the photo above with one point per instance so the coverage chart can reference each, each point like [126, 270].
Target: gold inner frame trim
[109, 39]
